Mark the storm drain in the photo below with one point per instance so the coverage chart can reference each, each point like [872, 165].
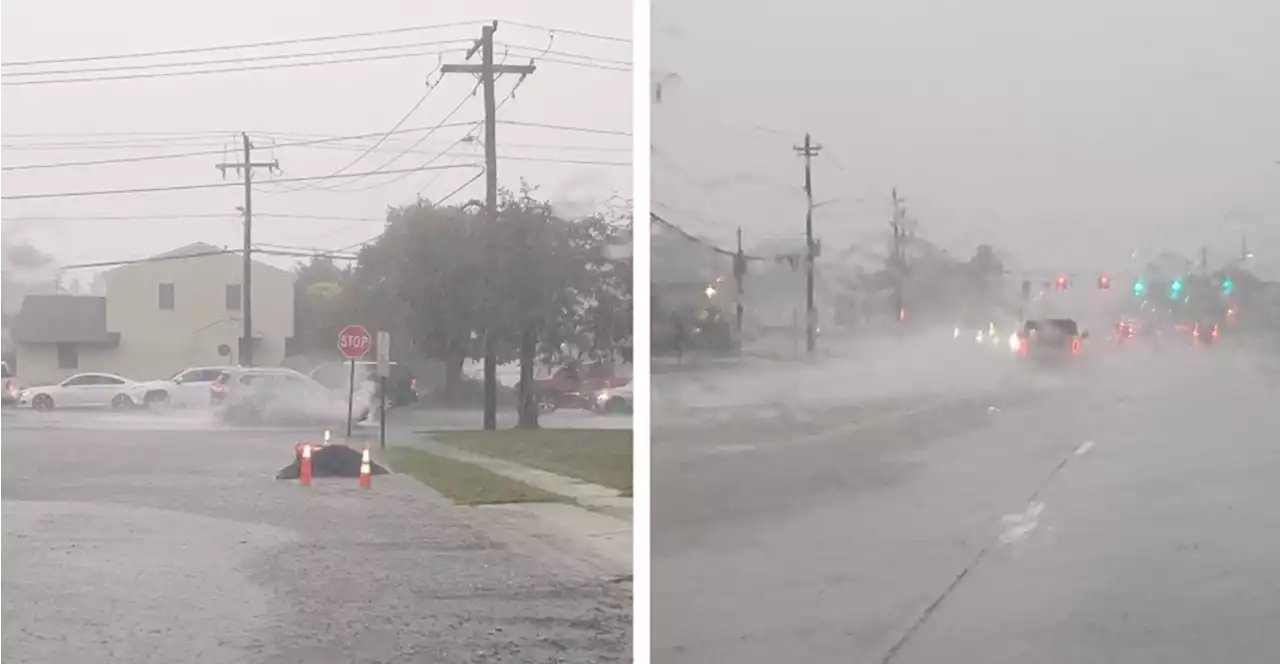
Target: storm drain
[329, 461]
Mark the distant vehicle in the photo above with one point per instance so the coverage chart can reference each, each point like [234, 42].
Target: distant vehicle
[1050, 339]
[10, 386]
[85, 390]
[185, 389]
[277, 395]
[614, 400]
[402, 388]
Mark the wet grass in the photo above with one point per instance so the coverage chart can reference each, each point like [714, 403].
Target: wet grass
[464, 483]
[599, 456]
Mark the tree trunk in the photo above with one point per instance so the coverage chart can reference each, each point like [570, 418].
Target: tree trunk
[528, 400]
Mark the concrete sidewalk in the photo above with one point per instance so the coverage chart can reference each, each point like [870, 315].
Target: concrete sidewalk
[598, 525]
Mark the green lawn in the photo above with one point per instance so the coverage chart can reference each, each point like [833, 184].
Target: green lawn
[464, 483]
[600, 456]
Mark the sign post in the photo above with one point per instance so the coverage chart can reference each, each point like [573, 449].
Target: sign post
[384, 371]
[353, 343]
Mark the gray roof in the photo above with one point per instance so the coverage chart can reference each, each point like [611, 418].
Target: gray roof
[52, 319]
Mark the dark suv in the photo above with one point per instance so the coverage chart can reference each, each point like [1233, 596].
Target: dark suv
[1050, 338]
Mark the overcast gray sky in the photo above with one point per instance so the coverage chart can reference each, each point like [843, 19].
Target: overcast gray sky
[1069, 134]
[58, 123]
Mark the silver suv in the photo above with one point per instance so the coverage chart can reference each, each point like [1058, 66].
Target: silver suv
[275, 395]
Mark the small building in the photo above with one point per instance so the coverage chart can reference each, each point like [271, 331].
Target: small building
[178, 309]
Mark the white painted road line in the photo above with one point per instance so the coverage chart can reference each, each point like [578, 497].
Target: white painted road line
[1084, 448]
[1018, 526]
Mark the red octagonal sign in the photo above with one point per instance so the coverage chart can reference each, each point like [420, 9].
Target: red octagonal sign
[354, 342]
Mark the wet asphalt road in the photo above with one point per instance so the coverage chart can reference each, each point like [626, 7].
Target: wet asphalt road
[170, 546]
[1125, 513]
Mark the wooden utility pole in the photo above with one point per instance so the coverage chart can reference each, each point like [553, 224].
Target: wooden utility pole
[487, 70]
[809, 151]
[246, 286]
[739, 278]
[898, 256]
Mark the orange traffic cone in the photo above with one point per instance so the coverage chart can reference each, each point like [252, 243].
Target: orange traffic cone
[304, 473]
[366, 476]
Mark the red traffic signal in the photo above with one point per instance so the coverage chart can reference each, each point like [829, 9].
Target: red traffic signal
[1061, 283]
[1104, 283]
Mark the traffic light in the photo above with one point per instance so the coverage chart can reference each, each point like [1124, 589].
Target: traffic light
[1175, 289]
[1227, 286]
[1139, 288]
[1061, 283]
[1104, 282]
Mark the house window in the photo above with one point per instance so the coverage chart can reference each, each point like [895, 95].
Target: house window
[233, 297]
[68, 356]
[166, 296]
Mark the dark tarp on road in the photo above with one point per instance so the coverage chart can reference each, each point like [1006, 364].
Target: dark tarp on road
[329, 461]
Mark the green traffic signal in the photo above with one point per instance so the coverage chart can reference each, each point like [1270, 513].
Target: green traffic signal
[1175, 289]
[1227, 287]
[1139, 288]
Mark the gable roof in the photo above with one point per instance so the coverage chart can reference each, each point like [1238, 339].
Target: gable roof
[52, 319]
[193, 250]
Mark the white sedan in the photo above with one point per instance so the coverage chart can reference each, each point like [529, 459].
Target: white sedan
[188, 388]
[86, 390]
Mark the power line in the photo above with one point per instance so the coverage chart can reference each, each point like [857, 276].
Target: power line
[586, 130]
[510, 95]
[223, 61]
[228, 47]
[102, 162]
[214, 185]
[567, 54]
[184, 216]
[587, 65]
[551, 160]
[320, 140]
[577, 33]
[455, 192]
[283, 65]
[381, 139]
[420, 140]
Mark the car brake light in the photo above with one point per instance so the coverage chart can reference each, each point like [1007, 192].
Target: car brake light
[1214, 333]
[1075, 345]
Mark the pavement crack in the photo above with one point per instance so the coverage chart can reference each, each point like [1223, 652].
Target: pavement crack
[973, 564]
[924, 616]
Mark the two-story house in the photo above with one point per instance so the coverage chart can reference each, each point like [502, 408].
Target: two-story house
[179, 309]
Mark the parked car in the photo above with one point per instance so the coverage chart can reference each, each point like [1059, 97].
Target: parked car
[85, 390]
[186, 389]
[10, 386]
[277, 395]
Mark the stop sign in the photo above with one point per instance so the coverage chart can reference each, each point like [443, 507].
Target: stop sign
[354, 342]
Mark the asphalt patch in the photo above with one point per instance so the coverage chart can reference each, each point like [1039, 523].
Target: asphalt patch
[329, 461]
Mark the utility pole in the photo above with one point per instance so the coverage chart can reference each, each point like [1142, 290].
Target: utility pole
[246, 286]
[809, 151]
[487, 71]
[898, 255]
[739, 277]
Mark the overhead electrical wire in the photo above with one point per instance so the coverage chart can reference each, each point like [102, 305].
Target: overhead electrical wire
[577, 33]
[250, 58]
[228, 47]
[381, 139]
[543, 125]
[283, 65]
[416, 143]
[566, 54]
[213, 185]
[181, 216]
